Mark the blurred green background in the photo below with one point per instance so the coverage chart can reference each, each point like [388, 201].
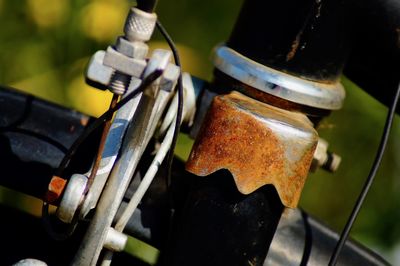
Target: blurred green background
[45, 45]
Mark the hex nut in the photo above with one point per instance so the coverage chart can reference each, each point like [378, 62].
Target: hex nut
[97, 72]
[126, 65]
[135, 49]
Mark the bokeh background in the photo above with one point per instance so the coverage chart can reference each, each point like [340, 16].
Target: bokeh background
[45, 45]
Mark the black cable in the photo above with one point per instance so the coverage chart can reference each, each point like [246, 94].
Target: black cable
[147, 5]
[179, 114]
[103, 118]
[48, 226]
[368, 182]
[180, 100]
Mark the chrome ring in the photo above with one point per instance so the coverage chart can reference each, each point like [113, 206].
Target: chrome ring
[277, 83]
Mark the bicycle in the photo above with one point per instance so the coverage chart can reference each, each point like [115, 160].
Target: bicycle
[225, 56]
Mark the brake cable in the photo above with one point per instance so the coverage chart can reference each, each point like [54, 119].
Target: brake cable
[368, 182]
[106, 129]
[179, 114]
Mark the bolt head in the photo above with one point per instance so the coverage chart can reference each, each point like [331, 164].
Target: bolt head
[98, 73]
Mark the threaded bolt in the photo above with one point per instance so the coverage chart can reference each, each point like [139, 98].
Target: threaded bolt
[119, 83]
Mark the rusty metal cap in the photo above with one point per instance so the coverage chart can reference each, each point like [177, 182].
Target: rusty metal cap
[258, 143]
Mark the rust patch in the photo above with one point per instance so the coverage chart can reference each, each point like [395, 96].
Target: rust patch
[258, 143]
[294, 47]
[309, 24]
[55, 189]
[84, 120]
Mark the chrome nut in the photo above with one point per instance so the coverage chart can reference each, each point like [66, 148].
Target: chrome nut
[136, 49]
[97, 72]
[122, 63]
[139, 25]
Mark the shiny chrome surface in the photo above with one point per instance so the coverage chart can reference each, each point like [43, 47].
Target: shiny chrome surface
[328, 96]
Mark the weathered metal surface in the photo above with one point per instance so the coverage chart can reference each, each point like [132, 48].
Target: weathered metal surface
[258, 143]
[55, 189]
